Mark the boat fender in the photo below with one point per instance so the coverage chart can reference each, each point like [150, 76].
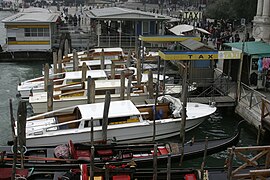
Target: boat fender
[62, 151]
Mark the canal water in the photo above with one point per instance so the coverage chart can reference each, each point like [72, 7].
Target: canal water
[221, 124]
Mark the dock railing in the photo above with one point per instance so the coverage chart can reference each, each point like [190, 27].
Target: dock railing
[251, 98]
[220, 85]
[252, 162]
[265, 116]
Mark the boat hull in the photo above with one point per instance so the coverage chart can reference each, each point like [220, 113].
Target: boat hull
[131, 133]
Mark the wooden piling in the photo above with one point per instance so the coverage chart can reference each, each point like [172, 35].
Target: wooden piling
[92, 164]
[102, 59]
[128, 59]
[258, 135]
[155, 163]
[169, 167]
[105, 116]
[46, 76]
[129, 87]
[155, 107]
[113, 70]
[139, 71]
[84, 71]
[50, 96]
[164, 78]
[204, 156]
[22, 114]
[75, 60]
[122, 91]
[55, 62]
[150, 84]
[12, 120]
[15, 150]
[92, 132]
[66, 48]
[230, 163]
[91, 93]
[60, 58]
[107, 175]
[184, 110]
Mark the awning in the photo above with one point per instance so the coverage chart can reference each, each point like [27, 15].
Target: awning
[182, 28]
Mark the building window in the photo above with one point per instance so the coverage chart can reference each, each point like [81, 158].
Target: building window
[36, 32]
[145, 27]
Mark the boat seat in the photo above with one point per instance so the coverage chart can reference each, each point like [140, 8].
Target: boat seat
[121, 177]
[79, 154]
[190, 177]
[162, 150]
[105, 152]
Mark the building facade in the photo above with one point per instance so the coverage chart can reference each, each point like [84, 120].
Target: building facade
[31, 30]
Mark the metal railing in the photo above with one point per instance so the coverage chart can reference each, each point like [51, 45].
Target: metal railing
[251, 98]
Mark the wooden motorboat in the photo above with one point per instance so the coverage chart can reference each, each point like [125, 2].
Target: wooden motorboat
[126, 122]
[28, 87]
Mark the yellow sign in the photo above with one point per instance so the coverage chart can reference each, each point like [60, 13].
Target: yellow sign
[229, 54]
[190, 55]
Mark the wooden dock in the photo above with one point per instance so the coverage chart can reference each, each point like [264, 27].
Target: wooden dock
[219, 101]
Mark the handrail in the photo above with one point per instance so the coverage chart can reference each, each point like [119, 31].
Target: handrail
[252, 98]
[259, 153]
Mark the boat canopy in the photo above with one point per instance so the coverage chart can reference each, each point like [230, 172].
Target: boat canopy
[117, 109]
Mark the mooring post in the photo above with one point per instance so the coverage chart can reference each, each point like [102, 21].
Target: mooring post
[107, 175]
[105, 116]
[169, 167]
[88, 89]
[150, 84]
[139, 71]
[123, 79]
[75, 60]
[204, 156]
[15, 150]
[92, 164]
[129, 86]
[128, 59]
[92, 131]
[50, 95]
[230, 162]
[84, 72]
[12, 120]
[55, 70]
[46, 76]
[22, 114]
[155, 163]
[102, 59]
[60, 58]
[91, 93]
[184, 110]
[66, 48]
[113, 70]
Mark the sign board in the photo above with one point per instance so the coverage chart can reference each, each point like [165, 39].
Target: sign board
[191, 15]
[189, 55]
[229, 54]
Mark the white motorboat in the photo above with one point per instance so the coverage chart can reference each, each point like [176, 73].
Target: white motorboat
[127, 123]
[63, 98]
[60, 79]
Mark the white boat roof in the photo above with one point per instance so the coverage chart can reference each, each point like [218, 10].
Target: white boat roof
[93, 73]
[117, 109]
[116, 49]
[109, 83]
[95, 62]
[155, 76]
